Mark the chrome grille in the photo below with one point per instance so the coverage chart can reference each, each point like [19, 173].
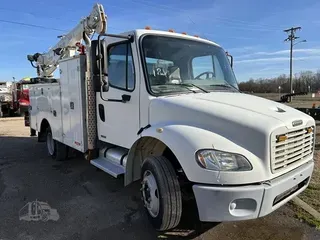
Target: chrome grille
[297, 147]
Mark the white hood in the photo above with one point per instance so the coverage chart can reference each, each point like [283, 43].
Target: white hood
[234, 116]
[220, 103]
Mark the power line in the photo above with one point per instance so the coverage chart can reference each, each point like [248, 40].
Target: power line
[246, 25]
[31, 13]
[39, 26]
[31, 25]
[291, 37]
[238, 24]
[61, 30]
[141, 2]
[235, 21]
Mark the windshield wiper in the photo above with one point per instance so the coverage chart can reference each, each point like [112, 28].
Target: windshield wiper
[188, 85]
[176, 84]
[198, 87]
[225, 86]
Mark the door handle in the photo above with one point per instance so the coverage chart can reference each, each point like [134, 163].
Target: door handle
[126, 98]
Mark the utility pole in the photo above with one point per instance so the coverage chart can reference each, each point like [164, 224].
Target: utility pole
[291, 37]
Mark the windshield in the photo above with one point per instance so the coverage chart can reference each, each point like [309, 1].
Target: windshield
[180, 65]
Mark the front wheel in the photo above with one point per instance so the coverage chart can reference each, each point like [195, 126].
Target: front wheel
[56, 150]
[161, 193]
[33, 132]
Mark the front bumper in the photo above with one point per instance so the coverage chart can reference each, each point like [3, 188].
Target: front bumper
[219, 203]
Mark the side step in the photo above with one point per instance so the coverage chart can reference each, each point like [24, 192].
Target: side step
[112, 159]
[108, 166]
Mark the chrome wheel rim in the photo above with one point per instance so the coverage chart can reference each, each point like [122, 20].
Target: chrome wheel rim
[150, 194]
[50, 143]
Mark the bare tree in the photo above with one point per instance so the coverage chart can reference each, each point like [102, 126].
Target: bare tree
[302, 82]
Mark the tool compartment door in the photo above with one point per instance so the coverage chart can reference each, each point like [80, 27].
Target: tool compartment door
[45, 106]
[73, 104]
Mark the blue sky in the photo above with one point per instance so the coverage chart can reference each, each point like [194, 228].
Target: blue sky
[251, 30]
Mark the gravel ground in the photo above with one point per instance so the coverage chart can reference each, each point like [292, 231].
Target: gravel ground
[93, 205]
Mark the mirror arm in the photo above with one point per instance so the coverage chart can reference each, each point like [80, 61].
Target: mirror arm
[103, 76]
[231, 59]
[104, 83]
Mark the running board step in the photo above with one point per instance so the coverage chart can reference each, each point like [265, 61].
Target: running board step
[108, 166]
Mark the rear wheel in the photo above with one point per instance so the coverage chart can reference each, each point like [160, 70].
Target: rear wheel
[56, 150]
[161, 193]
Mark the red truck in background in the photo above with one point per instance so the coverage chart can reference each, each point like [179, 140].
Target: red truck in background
[20, 96]
[20, 100]
[14, 98]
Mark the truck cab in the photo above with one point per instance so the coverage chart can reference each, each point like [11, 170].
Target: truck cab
[164, 108]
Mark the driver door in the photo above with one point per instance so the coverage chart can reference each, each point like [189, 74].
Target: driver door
[118, 120]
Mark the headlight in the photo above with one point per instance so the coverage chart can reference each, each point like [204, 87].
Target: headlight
[222, 161]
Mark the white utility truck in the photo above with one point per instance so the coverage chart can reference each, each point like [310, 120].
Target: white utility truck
[164, 108]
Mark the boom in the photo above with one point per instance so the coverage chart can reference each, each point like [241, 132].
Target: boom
[47, 63]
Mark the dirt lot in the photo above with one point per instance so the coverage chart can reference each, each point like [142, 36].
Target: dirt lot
[93, 205]
[304, 101]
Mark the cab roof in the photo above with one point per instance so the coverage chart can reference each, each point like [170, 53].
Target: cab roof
[140, 32]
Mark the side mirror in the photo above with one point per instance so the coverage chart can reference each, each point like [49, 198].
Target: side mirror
[231, 59]
[30, 58]
[104, 84]
[102, 57]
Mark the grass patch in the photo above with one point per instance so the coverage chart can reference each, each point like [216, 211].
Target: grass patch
[304, 216]
[312, 194]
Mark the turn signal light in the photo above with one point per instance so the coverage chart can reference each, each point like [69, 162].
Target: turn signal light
[281, 138]
[309, 129]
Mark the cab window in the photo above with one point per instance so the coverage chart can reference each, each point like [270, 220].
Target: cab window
[120, 67]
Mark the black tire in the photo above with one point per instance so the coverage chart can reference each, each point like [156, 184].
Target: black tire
[45, 217]
[59, 151]
[169, 193]
[33, 132]
[18, 112]
[10, 112]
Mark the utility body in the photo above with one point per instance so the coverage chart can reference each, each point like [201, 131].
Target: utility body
[164, 108]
